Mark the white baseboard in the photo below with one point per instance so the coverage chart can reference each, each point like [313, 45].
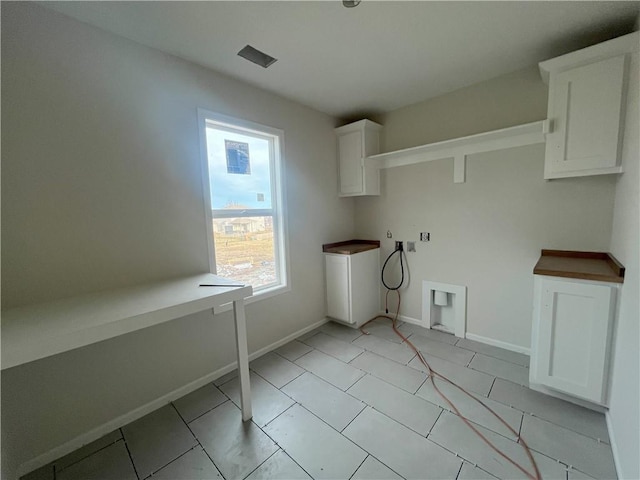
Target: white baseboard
[567, 398]
[614, 448]
[122, 420]
[404, 318]
[498, 343]
[470, 336]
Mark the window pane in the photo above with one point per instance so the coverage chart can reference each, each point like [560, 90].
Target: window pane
[239, 170]
[245, 250]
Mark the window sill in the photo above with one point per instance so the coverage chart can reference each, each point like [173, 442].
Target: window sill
[256, 297]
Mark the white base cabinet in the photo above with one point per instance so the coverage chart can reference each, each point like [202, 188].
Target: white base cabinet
[571, 336]
[353, 286]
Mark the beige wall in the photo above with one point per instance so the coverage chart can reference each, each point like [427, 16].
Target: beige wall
[101, 187]
[513, 99]
[625, 239]
[486, 233]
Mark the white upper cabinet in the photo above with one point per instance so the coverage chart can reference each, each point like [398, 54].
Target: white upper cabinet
[586, 108]
[357, 141]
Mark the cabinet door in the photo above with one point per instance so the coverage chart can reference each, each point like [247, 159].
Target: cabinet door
[585, 110]
[573, 337]
[338, 287]
[350, 155]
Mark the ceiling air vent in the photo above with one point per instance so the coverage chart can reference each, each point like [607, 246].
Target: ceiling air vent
[256, 56]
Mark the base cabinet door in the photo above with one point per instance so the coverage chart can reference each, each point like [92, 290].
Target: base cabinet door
[571, 337]
[353, 291]
[338, 287]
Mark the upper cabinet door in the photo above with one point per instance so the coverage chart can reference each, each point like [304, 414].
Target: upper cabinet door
[350, 159]
[585, 106]
[357, 141]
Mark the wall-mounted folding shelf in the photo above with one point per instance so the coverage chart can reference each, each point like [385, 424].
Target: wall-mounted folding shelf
[460, 148]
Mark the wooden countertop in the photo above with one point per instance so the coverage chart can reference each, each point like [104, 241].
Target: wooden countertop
[599, 266]
[350, 246]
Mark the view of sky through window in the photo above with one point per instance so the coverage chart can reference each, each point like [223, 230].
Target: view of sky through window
[239, 190]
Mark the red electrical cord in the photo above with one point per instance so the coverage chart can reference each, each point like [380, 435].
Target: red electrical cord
[433, 373]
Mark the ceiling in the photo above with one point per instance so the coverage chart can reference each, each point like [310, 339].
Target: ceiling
[377, 57]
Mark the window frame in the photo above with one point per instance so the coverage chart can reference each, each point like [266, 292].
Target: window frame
[278, 203]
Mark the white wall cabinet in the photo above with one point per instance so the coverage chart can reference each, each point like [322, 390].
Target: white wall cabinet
[353, 290]
[357, 141]
[585, 109]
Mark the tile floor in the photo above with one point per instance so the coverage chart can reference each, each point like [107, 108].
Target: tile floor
[336, 404]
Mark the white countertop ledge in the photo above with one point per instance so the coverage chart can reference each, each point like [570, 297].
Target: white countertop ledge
[38, 331]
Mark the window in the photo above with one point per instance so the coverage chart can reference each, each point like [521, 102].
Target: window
[243, 191]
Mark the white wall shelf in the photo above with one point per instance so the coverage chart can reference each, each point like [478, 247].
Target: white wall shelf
[460, 148]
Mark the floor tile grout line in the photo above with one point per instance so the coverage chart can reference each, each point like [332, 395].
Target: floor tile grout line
[357, 356]
[520, 429]
[447, 409]
[457, 455]
[364, 406]
[390, 359]
[196, 437]
[476, 465]
[402, 424]
[282, 448]
[294, 360]
[331, 337]
[361, 463]
[135, 470]
[471, 360]
[493, 382]
[183, 453]
[434, 423]
[346, 392]
[493, 356]
[339, 359]
[278, 416]
[336, 430]
[265, 460]
[328, 382]
[459, 470]
[594, 439]
[55, 468]
[419, 387]
[383, 380]
[198, 444]
[275, 386]
[208, 411]
[357, 380]
[525, 412]
[294, 461]
[385, 356]
[211, 459]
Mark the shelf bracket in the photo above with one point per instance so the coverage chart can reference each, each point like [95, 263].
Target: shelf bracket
[460, 168]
